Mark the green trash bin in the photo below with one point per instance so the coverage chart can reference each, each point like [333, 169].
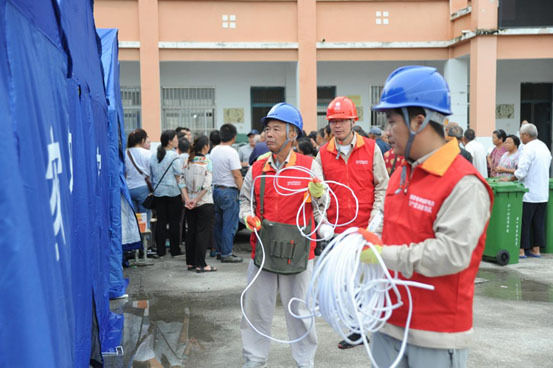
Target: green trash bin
[549, 221]
[503, 235]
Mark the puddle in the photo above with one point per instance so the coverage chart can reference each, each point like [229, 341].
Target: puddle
[163, 331]
[508, 285]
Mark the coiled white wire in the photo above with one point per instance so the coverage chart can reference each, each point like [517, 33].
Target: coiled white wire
[351, 296]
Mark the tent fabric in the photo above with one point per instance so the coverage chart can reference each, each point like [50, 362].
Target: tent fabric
[116, 146]
[60, 168]
[21, 344]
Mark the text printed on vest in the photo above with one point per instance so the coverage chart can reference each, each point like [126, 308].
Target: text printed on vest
[421, 204]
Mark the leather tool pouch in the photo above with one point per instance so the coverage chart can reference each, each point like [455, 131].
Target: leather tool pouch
[286, 250]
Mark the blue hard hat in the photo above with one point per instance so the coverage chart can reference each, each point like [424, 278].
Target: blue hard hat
[286, 113]
[415, 85]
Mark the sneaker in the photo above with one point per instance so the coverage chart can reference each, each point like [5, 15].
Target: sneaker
[231, 259]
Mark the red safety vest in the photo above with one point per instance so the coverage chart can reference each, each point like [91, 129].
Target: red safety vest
[409, 218]
[357, 174]
[280, 208]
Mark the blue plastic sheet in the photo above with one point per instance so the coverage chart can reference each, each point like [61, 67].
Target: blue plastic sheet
[61, 173]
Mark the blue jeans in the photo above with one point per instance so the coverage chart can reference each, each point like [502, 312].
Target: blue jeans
[138, 195]
[227, 209]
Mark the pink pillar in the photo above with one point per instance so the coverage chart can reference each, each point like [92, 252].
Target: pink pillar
[307, 63]
[483, 68]
[149, 67]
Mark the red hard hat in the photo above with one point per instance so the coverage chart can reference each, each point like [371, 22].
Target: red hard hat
[341, 108]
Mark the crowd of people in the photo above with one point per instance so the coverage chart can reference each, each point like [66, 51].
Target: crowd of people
[412, 182]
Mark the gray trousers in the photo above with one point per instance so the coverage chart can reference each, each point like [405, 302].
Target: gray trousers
[259, 306]
[385, 349]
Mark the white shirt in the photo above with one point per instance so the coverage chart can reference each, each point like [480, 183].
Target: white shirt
[533, 171]
[141, 157]
[224, 159]
[476, 149]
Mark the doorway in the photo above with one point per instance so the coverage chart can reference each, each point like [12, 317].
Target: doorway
[535, 106]
[262, 99]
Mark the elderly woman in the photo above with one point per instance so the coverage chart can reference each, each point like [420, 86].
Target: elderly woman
[498, 138]
[509, 161]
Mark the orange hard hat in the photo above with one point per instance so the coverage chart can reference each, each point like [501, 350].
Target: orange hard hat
[341, 108]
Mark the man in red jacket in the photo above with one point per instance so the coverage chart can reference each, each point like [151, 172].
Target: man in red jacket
[436, 212]
[283, 124]
[357, 162]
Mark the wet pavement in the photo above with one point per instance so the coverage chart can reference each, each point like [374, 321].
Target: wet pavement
[176, 318]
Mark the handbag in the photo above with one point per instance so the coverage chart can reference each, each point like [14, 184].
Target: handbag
[146, 177]
[286, 250]
[150, 201]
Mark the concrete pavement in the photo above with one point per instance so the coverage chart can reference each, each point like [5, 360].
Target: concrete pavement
[178, 318]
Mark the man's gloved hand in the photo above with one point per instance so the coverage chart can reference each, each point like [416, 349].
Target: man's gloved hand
[325, 231]
[368, 255]
[316, 188]
[252, 223]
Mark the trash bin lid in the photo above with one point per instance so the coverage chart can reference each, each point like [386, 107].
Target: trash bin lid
[507, 186]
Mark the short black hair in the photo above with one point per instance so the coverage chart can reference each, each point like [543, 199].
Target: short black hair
[515, 139]
[469, 134]
[306, 147]
[184, 145]
[228, 132]
[214, 137]
[500, 134]
[180, 129]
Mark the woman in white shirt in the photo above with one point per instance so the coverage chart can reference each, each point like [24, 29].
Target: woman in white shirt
[200, 209]
[166, 170]
[137, 168]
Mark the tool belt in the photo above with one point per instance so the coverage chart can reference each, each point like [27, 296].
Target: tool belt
[286, 250]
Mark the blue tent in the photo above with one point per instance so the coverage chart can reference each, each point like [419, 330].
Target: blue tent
[60, 175]
[119, 192]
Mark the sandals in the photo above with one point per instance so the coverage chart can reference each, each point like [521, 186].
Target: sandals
[206, 269]
[346, 345]
[191, 268]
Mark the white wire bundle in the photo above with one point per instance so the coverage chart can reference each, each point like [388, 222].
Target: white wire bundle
[285, 191]
[354, 297]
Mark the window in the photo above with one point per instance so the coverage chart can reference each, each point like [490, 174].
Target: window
[130, 99]
[263, 98]
[377, 118]
[324, 96]
[193, 108]
[525, 13]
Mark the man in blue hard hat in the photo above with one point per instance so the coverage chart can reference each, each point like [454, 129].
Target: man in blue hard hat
[273, 210]
[436, 212]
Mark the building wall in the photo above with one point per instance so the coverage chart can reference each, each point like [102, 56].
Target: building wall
[232, 82]
[510, 74]
[232, 45]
